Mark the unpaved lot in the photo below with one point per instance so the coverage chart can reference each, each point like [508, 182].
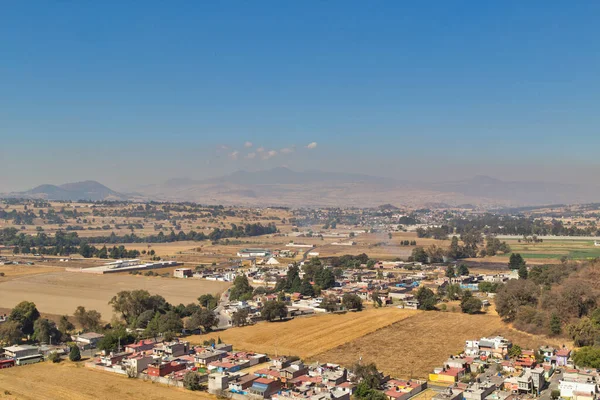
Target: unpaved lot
[412, 347]
[68, 381]
[307, 336]
[62, 292]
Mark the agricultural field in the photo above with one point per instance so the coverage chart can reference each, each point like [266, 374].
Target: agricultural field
[62, 292]
[308, 336]
[102, 219]
[550, 251]
[377, 245]
[17, 271]
[413, 346]
[69, 381]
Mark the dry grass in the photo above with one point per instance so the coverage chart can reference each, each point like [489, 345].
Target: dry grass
[62, 292]
[414, 346]
[16, 271]
[426, 394]
[379, 245]
[68, 381]
[308, 336]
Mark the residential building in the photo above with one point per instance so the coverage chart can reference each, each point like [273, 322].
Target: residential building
[163, 369]
[21, 351]
[183, 273]
[89, 339]
[264, 387]
[218, 382]
[575, 385]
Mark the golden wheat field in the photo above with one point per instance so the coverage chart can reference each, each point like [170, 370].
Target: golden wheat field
[61, 292]
[308, 336]
[412, 347]
[68, 381]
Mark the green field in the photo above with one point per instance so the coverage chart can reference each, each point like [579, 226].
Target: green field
[555, 249]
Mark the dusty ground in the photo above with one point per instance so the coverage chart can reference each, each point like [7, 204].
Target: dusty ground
[308, 336]
[412, 347]
[62, 292]
[16, 271]
[68, 381]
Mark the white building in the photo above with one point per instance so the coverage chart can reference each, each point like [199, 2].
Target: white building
[577, 385]
[249, 253]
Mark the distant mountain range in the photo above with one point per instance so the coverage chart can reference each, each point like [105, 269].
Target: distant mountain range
[283, 186]
[86, 190]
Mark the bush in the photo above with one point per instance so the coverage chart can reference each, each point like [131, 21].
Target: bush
[191, 381]
[75, 354]
[54, 357]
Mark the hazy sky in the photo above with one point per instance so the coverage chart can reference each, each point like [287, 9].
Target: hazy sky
[131, 93]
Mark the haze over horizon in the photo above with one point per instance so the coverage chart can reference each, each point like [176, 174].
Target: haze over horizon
[437, 92]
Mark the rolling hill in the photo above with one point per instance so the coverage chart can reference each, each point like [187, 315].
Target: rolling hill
[86, 190]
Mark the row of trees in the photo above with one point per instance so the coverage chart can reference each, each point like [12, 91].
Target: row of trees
[490, 224]
[24, 320]
[69, 242]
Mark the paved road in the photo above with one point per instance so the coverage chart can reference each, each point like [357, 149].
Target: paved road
[305, 255]
[224, 318]
[553, 385]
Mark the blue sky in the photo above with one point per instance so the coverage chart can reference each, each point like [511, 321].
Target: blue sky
[134, 92]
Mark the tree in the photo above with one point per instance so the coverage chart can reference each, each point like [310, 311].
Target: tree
[515, 351]
[368, 375]
[114, 338]
[45, 331]
[296, 285]
[463, 270]
[240, 317]
[329, 303]
[143, 319]
[130, 304]
[170, 322]
[454, 252]
[273, 309]
[208, 301]
[75, 354]
[514, 294]
[426, 299]
[375, 296]
[471, 241]
[515, 261]
[584, 332]
[352, 302]
[555, 324]
[64, 325]
[103, 252]
[306, 289]
[587, 356]
[25, 313]
[241, 289]
[204, 318]
[418, 255]
[523, 271]
[453, 291]
[489, 287]
[450, 271]
[325, 278]
[470, 304]
[10, 332]
[191, 381]
[88, 320]
[435, 254]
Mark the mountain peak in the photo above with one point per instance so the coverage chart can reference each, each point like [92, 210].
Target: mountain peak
[485, 180]
[84, 190]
